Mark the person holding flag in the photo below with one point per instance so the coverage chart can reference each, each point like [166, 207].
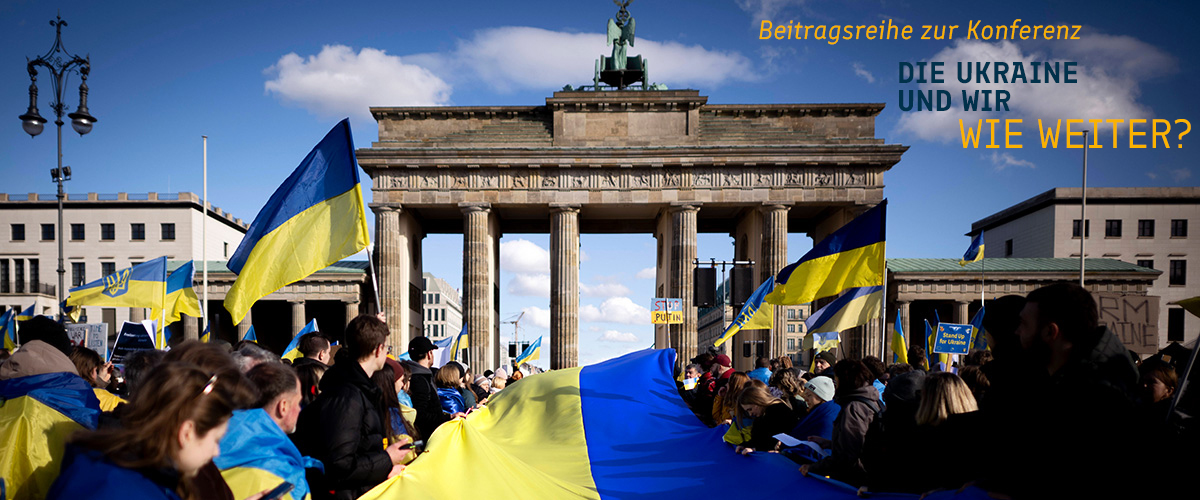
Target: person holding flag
[314, 219]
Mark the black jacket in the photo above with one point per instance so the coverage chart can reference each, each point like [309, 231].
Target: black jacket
[301, 361]
[425, 399]
[342, 429]
[776, 419]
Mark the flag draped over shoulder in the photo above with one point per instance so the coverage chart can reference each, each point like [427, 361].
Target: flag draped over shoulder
[256, 456]
[855, 307]
[316, 218]
[143, 285]
[753, 315]
[531, 353]
[292, 351]
[975, 252]
[38, 413]
[899, 342]
[850, 257]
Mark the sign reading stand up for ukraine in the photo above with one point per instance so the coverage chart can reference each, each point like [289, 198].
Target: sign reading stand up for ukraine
[952, 339]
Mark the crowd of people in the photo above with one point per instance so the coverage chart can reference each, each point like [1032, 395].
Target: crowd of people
[1056, 408]
[221, 421]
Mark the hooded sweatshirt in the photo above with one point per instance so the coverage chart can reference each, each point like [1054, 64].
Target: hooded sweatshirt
[36, 358]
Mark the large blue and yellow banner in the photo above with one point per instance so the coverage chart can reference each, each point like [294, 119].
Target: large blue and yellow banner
[316, 218]
[850, 257]
[143, 285]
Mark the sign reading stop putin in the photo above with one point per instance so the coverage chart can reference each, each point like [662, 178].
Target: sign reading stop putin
[666, 311]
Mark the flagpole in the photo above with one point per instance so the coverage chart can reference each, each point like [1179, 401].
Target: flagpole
[1083, 225]
[204, 239]
[883, 316]
[374, 283]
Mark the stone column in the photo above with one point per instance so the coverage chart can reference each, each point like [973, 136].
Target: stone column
[351, 311]
[297, 316]
[960, 311]
[477, 281]
[392, 267]
[137, 314]
[774, 258]
[191, 327]
[683, 256]
[564, 286]
[244, 327]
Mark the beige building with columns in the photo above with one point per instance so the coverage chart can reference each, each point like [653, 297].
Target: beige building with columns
[1156, 228]
[664, 162]
[102, 233]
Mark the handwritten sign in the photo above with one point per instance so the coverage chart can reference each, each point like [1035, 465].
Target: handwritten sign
[952, 338]
[666, 311]
[1132, 318]
[93, 336]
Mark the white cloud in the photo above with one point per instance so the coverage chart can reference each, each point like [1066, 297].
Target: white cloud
[538, 316]
[1004, 160]
[615, 336]
[648, 273]
[765, 9]
[862, 72]
[524, 256]
[615, 310]
[518, 57]
[1110, 72]
[604, 290]
[530, 285]
[337, 82]
[1180, 174]
[583, 256]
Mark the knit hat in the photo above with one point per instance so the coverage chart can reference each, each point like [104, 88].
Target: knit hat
[828, 357]
[904, 387]
[723, 360]
[821, 387]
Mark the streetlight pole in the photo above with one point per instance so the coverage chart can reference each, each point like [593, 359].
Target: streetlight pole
[59, 63]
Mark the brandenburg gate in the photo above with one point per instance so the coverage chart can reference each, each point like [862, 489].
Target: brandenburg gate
[623, 161]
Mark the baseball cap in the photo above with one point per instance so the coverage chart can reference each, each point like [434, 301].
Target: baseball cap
[418, 346]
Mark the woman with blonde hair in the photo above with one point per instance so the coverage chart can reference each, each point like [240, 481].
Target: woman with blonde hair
[168, 432]
[944, 394]
[771, 416]
[448, 381]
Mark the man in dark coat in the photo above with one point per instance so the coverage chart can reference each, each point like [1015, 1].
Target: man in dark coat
[421, 389]
[342, 427]
[315, 348]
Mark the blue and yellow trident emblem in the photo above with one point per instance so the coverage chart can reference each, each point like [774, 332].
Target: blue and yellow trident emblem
[117, 284]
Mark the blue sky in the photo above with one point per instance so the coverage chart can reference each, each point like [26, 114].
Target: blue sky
[266, 80]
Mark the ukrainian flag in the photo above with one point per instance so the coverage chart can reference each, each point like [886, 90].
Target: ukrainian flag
[204, 337]
[753, 314]
[256, 455]
[251, 336]
[974, 253]
[821, 341]
[977, 333]
[38, 413]
[27, 314]
[850, 257]
[533, 352]
[181, 297]
[611, 430]
[73, 312]
[8, 328]
[313, 220]
[292, 351]
[855, 307]
[143, 285]
[930, 340]
[899, 343]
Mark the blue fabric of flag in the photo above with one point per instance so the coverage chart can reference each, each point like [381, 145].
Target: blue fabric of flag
[256, 441]
[66, 393]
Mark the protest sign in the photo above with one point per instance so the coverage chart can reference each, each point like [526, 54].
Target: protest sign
[133, 337]
[952, 338]
[93, 336]
[1132, 318]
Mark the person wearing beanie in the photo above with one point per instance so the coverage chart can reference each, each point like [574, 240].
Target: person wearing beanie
[46, 330]
[822, 410]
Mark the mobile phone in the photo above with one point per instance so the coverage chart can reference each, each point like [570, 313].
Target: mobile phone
[414, 444]
[279, 491]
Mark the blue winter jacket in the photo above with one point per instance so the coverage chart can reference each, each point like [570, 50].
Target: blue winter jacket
[818, 422]
[88, 474]
[452, 401]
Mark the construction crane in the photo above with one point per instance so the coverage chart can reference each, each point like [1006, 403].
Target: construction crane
[516, 323]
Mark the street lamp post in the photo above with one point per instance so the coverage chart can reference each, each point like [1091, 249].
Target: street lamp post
[59, 63]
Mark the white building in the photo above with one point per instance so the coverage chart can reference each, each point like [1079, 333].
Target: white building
[102, 234]
[442, 308]
[1157, 228]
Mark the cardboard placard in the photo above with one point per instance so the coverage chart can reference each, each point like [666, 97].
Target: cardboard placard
[93, 336]
[1132, 318]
